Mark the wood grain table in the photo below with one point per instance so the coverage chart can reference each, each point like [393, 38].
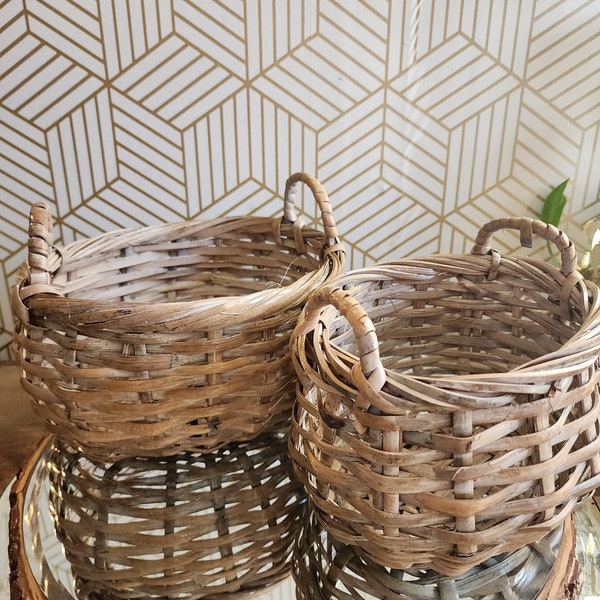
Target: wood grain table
[20, 429]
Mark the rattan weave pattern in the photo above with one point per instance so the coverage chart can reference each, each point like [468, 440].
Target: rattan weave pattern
[325, 569]
[448, 406]
[187, 526]
[172, 337]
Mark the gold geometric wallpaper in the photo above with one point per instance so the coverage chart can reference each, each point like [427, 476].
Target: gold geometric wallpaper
[422, 118]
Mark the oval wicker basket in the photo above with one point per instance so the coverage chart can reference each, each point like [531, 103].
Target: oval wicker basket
[187, 526]
[448, 406]
[325, 569]
[172, 337]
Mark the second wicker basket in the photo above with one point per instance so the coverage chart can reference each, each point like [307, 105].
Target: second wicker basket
[448, 407]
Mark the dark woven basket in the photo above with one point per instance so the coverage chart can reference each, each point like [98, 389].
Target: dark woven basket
[187, 526]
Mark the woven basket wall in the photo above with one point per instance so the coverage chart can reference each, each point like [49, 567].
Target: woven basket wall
[186, 526]
[324, 569]
[448, 406]
[169, 338]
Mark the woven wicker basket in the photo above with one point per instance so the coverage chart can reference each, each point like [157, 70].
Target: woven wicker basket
[186, 526]
[172, 337]
[448, 407]
[324, 569]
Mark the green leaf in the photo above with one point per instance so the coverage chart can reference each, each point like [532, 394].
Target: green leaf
[554, 204]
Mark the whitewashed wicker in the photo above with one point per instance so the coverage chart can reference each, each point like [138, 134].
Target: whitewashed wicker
[448, 406]
[172, 337]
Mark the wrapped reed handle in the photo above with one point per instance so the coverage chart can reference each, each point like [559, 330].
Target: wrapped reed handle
[36, 277]
[39, 244]
[527, 227]
[321, 198]
[359, 320]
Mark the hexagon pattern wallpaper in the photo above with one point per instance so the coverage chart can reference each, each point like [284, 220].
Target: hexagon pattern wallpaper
[423, 119]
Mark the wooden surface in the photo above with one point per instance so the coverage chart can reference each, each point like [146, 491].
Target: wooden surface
[565, 580]
[20, 429]
[23, 583]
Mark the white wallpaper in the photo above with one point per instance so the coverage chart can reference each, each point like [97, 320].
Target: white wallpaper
[422, 118]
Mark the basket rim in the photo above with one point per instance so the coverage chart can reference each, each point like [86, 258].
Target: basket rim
[579, 346]
[237, 309]
[28, 295]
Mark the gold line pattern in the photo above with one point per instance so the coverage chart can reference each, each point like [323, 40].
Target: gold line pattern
[423, 119]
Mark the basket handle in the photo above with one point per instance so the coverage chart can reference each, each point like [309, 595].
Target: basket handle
[36, 277]
[362, 326]
[527, 227]
[321, 198]
[39, 244]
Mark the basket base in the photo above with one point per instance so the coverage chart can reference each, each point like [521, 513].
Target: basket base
[324, 569]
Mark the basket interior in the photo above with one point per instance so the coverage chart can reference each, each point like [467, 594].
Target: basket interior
[184, 262]
[457, 325]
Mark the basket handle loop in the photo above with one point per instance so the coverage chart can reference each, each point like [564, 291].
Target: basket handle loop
[39, 244]
[320, 195]
[362, 326]
[527, 227]
[36, 277]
